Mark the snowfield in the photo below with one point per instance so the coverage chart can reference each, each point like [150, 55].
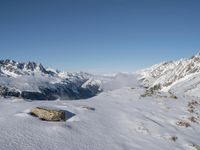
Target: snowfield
[121, 120]
[157, 108]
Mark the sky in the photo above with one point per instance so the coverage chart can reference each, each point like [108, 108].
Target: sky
[99, 36]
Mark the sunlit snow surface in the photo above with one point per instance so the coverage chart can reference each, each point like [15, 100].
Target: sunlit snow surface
[122, 120]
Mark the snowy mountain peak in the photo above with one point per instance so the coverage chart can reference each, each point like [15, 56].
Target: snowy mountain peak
[30, 80]
[166, 74]
[13, 69]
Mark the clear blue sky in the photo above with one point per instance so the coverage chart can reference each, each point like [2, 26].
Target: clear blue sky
[99, 35]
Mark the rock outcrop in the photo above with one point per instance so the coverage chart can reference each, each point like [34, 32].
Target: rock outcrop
[50, 114]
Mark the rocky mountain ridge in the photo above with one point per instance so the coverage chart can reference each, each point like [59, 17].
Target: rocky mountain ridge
[167, 76]
[33, 81]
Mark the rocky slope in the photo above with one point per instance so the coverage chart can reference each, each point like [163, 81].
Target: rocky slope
[168, 76]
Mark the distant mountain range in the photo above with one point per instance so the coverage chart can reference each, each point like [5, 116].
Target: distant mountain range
[32, 81]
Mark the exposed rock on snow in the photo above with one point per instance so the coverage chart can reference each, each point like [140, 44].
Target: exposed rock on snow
[50, 114]
[174, 138]
[183, 123]
[5, 91]
[88, 108]
[197, 147]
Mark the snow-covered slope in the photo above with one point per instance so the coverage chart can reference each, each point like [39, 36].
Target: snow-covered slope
[119, 120]
[169, 74]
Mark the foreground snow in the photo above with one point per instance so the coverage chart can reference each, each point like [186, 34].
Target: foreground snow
[122, 120]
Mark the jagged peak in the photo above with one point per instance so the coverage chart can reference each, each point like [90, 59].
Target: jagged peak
[198, 54]
[13, 62]
[13, 68]
[7, 61]
[196, 57]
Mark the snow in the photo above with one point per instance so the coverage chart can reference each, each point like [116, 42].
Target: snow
[8, 73]
[33, 77]
[118, 81]
[116, 119]
[28, 83]
[91, 81]
[122, 120]
[168, 74]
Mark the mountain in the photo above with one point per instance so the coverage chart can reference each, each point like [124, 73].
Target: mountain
[33, 81]
[14, 69]
[177, 76]
[118, 118]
